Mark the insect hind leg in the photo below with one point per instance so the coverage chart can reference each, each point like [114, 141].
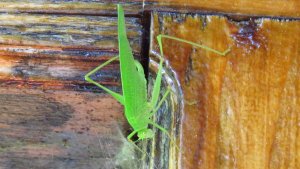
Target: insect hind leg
[157, 82]
[160, 102]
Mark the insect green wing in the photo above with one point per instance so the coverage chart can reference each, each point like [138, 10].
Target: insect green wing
[132, 75]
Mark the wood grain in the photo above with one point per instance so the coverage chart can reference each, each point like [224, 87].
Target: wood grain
[94, 32]
[241, 110]
[56, 51]
[277, 8]
[92, 7]
[50, 116]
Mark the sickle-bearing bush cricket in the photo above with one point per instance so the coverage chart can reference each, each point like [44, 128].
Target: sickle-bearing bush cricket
[138, 109]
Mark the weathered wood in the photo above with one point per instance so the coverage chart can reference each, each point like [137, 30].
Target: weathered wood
[44, 123]
[54, 51]
[91, 7]
[58, 129]
[241, 110]
[277, 8]
[91, 32]
[42, 71]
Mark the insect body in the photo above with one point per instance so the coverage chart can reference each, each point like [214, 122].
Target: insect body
[138, 109]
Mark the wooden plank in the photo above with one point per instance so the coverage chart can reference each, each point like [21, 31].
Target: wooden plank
[92, 32]
[56, 51]
[241, 110]
[58, 129]
[276, 8]
[91, 7]
[54, 73]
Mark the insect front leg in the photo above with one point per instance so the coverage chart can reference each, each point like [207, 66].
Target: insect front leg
[132, 134]
[87, 77]
[159, 37]
[133, 143]
[156, 88]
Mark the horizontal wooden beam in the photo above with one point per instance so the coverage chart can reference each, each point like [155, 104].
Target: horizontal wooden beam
[56, 51]
[271, 8]
[81, 7]
[95, 32]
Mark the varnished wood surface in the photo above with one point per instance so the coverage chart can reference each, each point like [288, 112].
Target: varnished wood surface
[277, 8]
[241, 110]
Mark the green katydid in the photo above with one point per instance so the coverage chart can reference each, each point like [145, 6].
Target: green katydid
[138, 109]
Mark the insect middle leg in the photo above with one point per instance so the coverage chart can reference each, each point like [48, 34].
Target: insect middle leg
[117, 96]
[155, 109]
